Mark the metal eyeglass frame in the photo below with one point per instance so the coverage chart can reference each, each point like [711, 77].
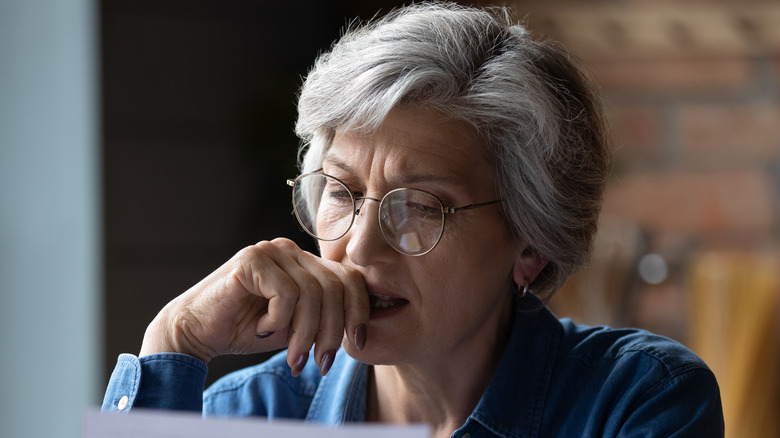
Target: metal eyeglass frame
[356, 210]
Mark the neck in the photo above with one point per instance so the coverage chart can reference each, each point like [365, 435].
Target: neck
[441, 391]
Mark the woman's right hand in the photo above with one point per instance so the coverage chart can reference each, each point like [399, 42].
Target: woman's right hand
[269, 296]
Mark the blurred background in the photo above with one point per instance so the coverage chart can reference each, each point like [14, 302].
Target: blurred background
[143, 143]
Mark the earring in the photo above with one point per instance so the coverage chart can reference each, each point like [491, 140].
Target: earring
[523, 291]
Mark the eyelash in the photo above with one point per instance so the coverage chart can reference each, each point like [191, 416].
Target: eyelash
[350, 184]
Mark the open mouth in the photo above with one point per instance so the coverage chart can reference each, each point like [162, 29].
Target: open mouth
[383, 305]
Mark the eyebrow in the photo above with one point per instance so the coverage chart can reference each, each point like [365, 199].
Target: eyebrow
[336, 161]
[406, 179]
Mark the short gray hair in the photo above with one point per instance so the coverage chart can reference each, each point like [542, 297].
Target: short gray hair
[540, 123]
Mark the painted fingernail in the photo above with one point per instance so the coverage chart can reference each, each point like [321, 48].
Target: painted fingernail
[263, 335]
[360, 336]
[297, 368]
[327, 361]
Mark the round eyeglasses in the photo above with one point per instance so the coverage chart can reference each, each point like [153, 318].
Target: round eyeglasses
[411, 220]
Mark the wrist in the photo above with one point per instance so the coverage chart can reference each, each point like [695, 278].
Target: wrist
[156, 338]
[167, 333]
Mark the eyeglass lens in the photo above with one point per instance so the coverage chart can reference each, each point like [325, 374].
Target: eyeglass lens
[411, 220]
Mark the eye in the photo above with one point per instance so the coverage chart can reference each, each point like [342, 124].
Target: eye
[423, 209]
[421, 205]
[337, 193]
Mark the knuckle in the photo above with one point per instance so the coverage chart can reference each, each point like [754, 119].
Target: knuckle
[258, 251]
[284, 243]
[310, 290]
[331, 284]
[353, 276]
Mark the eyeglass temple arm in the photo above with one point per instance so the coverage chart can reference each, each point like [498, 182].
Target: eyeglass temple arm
[468, 207]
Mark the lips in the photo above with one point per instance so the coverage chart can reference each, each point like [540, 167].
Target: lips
[384, 302]
[383, 305]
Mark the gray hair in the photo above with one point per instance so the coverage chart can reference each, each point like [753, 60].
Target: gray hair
[541, 126]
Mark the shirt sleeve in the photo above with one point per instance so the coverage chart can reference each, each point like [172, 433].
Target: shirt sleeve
[688, 405]
[157, 381]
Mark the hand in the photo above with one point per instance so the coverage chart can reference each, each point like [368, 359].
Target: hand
[268, 296]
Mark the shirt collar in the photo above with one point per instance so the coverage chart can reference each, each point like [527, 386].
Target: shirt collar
[341, 394]
[513, 402]
[526, 366]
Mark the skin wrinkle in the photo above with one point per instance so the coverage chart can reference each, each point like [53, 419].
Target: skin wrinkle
[537, 138]
[452, 316]
[546, 202]
[485, 113]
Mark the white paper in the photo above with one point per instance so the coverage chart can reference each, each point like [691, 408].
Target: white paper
[168, 424]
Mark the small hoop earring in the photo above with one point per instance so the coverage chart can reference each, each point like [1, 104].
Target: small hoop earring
[523, 291]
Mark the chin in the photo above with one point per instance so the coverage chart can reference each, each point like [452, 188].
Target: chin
[372, 355]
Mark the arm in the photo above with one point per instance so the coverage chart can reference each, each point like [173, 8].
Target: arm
[689, 405]
[267, 297]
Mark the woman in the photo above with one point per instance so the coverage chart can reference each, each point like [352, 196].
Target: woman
[451, 164]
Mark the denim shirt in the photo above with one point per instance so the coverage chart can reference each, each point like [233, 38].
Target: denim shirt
[555, 378]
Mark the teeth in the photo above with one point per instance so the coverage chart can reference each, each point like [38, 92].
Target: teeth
[378, 302]
[382, 304]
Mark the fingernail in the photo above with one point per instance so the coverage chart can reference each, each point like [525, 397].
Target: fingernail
[297, 368]
[327, 361]
[360, 336]
[263, 335]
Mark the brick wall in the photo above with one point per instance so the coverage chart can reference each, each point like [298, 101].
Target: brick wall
[692, 92]
[693, 99]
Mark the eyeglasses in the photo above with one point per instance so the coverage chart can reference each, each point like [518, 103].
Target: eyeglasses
[411, 220]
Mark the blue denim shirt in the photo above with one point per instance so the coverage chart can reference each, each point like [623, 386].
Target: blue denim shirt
[556, 378]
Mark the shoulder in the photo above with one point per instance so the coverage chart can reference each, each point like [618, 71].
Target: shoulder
[596, 346]
[634, 380]
[267, 389]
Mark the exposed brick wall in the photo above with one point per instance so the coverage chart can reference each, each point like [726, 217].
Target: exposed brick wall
[654, 78]
[692, 92]
[718, 206]
[693, 98]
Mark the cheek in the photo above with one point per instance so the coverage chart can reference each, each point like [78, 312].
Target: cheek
[473, 264]
[439, 281]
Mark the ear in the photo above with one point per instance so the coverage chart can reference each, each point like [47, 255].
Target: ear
[528, 265]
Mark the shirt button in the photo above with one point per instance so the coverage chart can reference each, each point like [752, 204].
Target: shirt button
[123, 403]
[466, 435]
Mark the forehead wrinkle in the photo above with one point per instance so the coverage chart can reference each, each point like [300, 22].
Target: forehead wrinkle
[409, 151]
[406, 168]
[338, 162]
[411, 171]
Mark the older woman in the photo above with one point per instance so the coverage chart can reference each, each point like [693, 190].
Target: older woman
[451, 165]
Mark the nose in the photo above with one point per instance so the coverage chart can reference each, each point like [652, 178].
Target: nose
[359, 202]
[367, 244]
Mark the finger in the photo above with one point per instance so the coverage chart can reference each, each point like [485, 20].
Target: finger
[356, 306]
[294, 297]
[305, 322]
[275, 284]
[310, 279]
[331, 320]
[267, 271]
[331, 330]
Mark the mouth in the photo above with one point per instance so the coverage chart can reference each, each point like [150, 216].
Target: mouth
[382, 305]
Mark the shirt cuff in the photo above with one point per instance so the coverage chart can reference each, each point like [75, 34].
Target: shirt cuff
[157, 381]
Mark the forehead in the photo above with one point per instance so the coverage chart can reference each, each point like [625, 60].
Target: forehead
[412, 141]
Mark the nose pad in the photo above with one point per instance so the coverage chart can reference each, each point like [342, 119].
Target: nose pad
[360, 202]
[367, 240]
